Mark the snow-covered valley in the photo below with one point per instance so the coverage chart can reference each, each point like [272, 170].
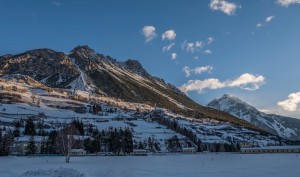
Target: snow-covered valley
[208, 165]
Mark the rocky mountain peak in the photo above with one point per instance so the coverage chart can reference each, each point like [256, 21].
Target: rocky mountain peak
[136, 67]
[84, 52]
[83, 48]
[283, 126]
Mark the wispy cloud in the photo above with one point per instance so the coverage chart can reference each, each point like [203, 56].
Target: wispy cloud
[267, 20]
[287, 3]
[246, 81]
[259, 25]
[207, 52]
[55, 3]
[168, 47]
[192, 46]
[149, 33]
[173, 56]
[169, 35]
[198, 70]
[210, 40]
[290, 104]
[270, 18]
[223, 6]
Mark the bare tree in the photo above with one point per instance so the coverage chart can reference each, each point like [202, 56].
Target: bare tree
[66, 140]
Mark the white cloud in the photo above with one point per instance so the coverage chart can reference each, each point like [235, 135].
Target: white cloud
[192, 46]
[210, 40]
[223, 6]
[169, 35]
[173, 56]
[291, 103]
[149, 33]
[259, 25]
[286, 3]
[55, 3]
[168, 47]
[208, 51]
[267, 20]
[270, 18]
[245, 81]
[197, 70]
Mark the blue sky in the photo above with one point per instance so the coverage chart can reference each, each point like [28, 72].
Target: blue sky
[249, 49]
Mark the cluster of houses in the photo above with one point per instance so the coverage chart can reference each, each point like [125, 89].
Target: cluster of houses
[20, 144]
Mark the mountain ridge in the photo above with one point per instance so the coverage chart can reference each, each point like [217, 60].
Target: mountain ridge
[283, 126]
[84, 69]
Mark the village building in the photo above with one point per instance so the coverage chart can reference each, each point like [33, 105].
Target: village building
[78, 152]
[139, 152]
[20, 144]
[189, 150]
[245, 145]
[271, 149]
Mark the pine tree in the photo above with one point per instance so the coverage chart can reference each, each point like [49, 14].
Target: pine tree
[87, 145]
[44, 149]
[29, 127]
[7, 141]
[17, 129]
[51, 142]
[128, 142]
[31, 147]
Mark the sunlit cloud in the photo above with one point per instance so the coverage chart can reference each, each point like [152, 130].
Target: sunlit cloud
[246, 81]
[169, 35]
[287, 3]
[149, 33]
[223, 6]
[291, 103]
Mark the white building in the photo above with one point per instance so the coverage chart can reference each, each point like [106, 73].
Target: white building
[189, 150]
[78, 152]
[139, 152]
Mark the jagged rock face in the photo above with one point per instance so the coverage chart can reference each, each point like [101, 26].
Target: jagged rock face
[126, 80]
[54, 69]
[285, 127]
[136, 67]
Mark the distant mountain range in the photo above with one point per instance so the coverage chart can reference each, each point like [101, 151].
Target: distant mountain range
[285, 127]
[86, 70]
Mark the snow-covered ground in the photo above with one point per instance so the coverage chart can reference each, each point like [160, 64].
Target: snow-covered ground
[208, 165]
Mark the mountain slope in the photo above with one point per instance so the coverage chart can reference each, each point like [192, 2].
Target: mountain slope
[86, 70]
[285, 127]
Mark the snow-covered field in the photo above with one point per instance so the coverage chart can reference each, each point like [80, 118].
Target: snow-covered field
[206, 165]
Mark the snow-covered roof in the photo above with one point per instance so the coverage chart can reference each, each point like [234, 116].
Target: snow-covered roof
[77, 150]
[139, 150]
[271, 147]
[188, 148]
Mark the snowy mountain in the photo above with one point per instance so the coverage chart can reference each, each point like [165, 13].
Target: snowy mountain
[104, 93]
[285, 127]
[84, 70]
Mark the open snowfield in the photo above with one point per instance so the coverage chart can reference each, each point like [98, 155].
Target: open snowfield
[206, 165]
